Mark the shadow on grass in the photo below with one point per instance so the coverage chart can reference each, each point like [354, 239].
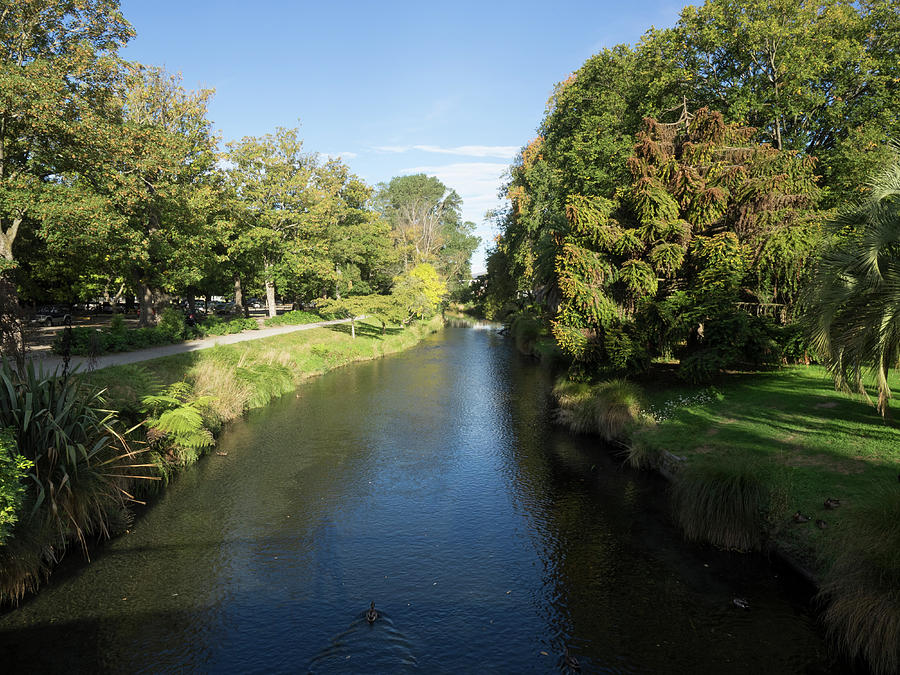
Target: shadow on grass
[366, 330]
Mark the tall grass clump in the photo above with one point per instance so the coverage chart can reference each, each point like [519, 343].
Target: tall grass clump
[609, 408]
[730, 505]
[81, 468]
[862, 588]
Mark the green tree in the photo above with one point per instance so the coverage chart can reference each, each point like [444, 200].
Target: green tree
[58, 76]
[854, 308]
[426, 221]
[704, 208]
[144, 207]
[272, 179]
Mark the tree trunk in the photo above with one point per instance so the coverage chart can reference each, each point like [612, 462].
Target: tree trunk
[353, 327]
[239, 295]
[7, 238]
[145, 297]
[270, 297]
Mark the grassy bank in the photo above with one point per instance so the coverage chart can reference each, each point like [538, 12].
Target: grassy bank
[178, 404]
[755, 449]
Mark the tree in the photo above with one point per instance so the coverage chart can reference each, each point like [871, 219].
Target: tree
[707, 211]
[272, 179]
[818, 76]
[58, 75]
[144, 204]
[426, 221]
[854, 308]
[419, 292]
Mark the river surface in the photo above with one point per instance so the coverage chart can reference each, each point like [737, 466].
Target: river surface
[434, 484]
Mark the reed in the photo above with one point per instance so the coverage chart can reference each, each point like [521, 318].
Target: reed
[862, 588]
[728, 504]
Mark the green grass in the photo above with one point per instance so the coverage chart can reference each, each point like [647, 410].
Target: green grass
[256, 371]
[831, 444]
[759, 447]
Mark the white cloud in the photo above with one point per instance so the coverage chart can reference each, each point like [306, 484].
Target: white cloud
[392, 148]
[343, 155]
[506, 152]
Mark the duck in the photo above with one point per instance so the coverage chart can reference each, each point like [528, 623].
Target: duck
[740, 603]
[800, 518]
[832, 503]
[571, 661]
[371, 613]
[821, 524]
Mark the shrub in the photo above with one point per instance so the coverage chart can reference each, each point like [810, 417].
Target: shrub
[526, 330]
[608, 409]
[81, 461]
[177, 417]
[13, 472]
[293, 318]
[171, 324]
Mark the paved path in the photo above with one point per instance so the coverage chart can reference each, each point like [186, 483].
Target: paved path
[50, 363]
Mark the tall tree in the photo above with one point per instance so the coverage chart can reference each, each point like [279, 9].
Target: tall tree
[273, 180]
[58, 73]
[145, 205]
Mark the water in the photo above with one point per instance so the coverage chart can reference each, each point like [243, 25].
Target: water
[432, 483]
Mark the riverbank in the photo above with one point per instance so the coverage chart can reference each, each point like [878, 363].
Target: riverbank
[177, 405]
[747, 454]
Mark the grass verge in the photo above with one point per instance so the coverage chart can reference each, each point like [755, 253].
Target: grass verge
[760, 447]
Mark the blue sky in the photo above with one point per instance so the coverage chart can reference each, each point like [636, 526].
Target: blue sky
[450, 89]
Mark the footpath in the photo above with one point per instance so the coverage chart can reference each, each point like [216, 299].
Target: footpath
[49, 363]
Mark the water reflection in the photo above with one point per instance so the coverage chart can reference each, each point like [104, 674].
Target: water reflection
[431, 483]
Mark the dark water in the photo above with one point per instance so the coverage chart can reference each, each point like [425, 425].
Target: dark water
[431, 483]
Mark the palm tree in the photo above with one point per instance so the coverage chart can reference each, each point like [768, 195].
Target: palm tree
[853, 311]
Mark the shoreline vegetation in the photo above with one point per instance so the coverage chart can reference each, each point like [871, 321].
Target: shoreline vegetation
[131, 428]
[776, 461]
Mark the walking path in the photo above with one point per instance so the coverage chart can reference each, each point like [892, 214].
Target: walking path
[50, 363]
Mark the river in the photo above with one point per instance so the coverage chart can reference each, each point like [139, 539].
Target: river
[432, 483]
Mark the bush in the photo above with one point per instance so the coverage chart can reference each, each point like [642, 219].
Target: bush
[81, 460]
[526, 330]
[13, 472]
[608, 409]
[171, 324]
[213, 325]
[293, 318]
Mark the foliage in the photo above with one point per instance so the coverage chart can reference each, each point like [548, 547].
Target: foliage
[609, 409]
[177, 416]
[426, 223]
[526, 330]
[82, 464]
[14, 470]
[419, 291]
[854, 304]
[58, 70]
[295, 317]
[702, 206]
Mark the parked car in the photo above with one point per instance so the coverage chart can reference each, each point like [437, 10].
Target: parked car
[223, 308]
[255, 303]
[51, 315]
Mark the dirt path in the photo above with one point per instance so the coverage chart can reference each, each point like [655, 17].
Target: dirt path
[50, 362]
